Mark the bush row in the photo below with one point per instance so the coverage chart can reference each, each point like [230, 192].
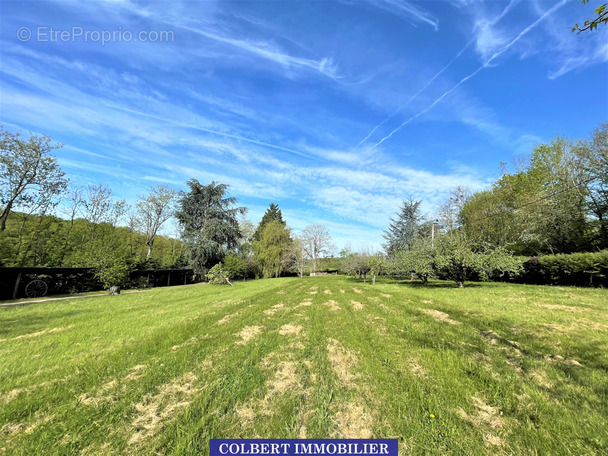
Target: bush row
[579, 269]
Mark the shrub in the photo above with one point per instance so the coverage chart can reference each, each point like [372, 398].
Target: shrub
[113, 273]
[458, 259]
[579, 269]
[235, 266]
[218, 275]
[419, 260]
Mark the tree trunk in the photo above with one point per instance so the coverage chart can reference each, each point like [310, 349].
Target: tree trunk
[373, 279]
[67, 239]
[149, 243]
[460, 284]
[4, 215]
[20, 237]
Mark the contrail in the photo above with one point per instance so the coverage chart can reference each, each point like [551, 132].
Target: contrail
[413, 96]
[491, 23]
[485, 65]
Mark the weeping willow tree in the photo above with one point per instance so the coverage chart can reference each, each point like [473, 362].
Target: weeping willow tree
[271, 248]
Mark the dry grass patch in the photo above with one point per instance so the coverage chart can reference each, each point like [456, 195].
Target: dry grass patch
[190, 341]
[440, 316]
[13, 394]
[426, 301]
[274, 309]
[155, 410]
[248, 333]
[35, 334]
[386, 295]
[356, 305]
[102, 394]
[494, 338]
[11, 428]
[327, 292]
[284, 378]
[287, 330]
[306, 303]
[342, 361]
[378, 323]
[485, 417]
[332, 305]
[39, 422]
[354, 422]
[227, 318]
[342, 291]
[246, 415]
[135, 372]
[415, 368]
[356, 290]
[540, 378]
[375, 299]
[281, 292]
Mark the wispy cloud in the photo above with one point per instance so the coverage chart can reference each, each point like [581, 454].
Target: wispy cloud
[413, 97]
[488, 37]
[597, 55]
[270, 51]
[403, 8]
[485, 65]
[486, 25]
[268, 97]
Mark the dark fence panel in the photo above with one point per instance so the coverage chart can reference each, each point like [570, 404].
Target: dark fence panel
[39, 281]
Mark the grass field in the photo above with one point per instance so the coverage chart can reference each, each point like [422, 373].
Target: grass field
[489, 369]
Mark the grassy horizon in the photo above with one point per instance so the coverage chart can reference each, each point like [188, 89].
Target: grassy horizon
[489, 369]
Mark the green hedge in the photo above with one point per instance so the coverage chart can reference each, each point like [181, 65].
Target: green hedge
[578, 269]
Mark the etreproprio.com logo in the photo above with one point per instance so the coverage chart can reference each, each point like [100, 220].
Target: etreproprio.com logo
[80, 34]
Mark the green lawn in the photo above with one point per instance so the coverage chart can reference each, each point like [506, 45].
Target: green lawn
[489, 369]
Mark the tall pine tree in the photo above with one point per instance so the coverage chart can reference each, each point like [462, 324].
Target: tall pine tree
[273, 213]
[402, 231]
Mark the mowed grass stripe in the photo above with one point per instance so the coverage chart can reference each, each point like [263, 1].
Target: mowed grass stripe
[493, 368]
[126, 342]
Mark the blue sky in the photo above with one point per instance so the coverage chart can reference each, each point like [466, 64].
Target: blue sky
[335, 110]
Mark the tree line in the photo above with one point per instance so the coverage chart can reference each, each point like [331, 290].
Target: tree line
[47, 221]
[554, 201]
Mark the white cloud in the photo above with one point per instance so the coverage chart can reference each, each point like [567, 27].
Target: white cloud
[405, 9]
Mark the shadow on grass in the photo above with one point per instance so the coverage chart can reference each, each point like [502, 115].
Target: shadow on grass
[419, 284]
[24, 324]
[438, 284]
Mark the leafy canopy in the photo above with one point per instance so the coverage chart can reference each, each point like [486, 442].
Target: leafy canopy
[209, 222]
[270, 249]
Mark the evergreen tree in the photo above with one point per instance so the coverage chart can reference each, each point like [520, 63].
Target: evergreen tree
[209, 222]
[403, 230]
[273, 213]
